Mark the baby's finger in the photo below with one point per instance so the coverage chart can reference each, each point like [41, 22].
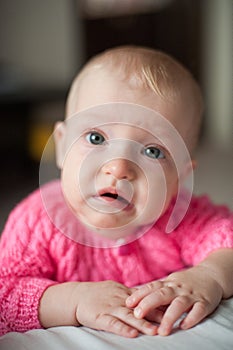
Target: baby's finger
[174, 311]
[155, 315]
[196, 314]
[142, 292]
[114, 325]
[160, 297]
[142, 325]
[132, 290]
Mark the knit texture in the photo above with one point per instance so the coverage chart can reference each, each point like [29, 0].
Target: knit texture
[34, 254]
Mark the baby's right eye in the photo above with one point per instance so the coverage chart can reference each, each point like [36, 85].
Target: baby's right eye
[95, 138]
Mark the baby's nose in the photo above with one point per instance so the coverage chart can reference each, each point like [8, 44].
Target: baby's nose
[120, 169]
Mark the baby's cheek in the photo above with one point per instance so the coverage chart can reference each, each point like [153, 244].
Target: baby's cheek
[154, 198]
[69, 179]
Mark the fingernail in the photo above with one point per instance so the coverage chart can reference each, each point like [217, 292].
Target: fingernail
[138, 312]
[183, 325]
[163, 331]
[133, 332]
[130, 300]
[152, 329]
[127, 302]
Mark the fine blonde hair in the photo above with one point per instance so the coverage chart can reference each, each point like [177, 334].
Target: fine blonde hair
[154, 70]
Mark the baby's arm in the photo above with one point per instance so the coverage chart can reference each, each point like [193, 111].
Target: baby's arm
[28, 282]
[197, 291]
[98, 305]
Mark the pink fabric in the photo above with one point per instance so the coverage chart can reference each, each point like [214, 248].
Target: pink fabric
[35, 255]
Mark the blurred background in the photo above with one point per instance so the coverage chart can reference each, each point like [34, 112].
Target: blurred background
[43, 44]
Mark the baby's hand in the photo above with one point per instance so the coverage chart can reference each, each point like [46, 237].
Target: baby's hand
[101, 305]
[192, 291]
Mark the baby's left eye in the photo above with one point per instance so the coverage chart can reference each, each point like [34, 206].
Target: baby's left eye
[95, 138]
[153, 152]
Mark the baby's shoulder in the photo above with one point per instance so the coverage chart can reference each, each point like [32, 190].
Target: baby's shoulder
[203, 213]
[31, 212]
[203, 205]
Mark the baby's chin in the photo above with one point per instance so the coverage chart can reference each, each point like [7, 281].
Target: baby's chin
[113, 231]
[109, 229]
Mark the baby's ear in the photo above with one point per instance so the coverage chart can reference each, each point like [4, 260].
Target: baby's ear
[194, 164]
[190, 166]
[59, 139]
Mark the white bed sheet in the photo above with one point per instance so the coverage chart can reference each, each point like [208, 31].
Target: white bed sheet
[214, 333]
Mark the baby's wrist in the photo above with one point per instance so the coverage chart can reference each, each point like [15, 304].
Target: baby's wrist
[58, 305]
[76, 299]
[220, 266]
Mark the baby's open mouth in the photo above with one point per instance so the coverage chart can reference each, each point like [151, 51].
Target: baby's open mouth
[115, 198]
[110, 200]
[109, 196]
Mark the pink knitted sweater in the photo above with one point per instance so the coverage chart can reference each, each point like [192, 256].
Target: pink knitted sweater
[35, 255]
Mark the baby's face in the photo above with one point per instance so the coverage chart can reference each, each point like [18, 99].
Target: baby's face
[118, 173]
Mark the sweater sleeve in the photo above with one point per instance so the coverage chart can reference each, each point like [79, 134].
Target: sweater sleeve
[26, 267]
[205, 228]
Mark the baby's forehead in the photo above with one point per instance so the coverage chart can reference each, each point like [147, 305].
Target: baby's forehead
[119, 114]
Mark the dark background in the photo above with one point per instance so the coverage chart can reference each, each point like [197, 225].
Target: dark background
[43, 45]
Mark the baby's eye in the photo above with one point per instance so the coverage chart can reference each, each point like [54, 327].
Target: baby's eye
[95, 138]
[154, 152]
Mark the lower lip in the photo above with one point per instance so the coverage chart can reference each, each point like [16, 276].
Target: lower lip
[107, 199]
[115, 203]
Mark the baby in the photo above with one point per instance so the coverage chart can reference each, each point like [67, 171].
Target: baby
[115, 245]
